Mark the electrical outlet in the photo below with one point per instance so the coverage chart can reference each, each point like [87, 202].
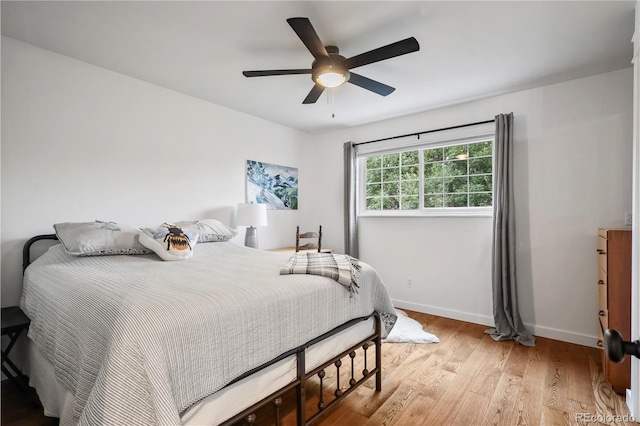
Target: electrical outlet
[409, 282]
[628, 218]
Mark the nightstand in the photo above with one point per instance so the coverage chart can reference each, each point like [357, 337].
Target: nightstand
[293, 250]
[14, 322]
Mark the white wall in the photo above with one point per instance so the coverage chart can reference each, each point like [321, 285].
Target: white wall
[573, 168]
[81, 143]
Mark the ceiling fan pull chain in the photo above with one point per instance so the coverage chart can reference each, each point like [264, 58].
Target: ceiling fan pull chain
[331, 101]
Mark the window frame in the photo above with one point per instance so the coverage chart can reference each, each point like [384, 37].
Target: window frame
[458, 137]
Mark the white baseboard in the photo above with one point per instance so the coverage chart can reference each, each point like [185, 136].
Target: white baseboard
[563, 335]
[444, 312]
[548, 332]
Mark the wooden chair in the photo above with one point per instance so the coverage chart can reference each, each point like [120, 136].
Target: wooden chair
[309, 235]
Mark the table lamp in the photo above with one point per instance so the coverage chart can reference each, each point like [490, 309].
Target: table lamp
[251, 215]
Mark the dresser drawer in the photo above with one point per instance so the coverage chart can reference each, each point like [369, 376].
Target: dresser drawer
[602, 295]
[603, 315]
[602, 253]
[600, 342]
[603, 319]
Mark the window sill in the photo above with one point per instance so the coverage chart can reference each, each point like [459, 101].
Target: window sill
[440, 213]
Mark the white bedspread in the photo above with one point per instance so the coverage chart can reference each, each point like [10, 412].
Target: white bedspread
[139, 340]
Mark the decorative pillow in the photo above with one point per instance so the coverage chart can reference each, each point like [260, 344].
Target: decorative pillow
[209, 230]
[99, 238]
[169, 241]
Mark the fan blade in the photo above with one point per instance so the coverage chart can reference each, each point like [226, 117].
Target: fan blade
[392, 50]
[314, 94]
[304, 29]
[274, 72]
[372, 85]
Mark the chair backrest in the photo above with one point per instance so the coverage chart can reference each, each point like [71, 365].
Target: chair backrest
[309, 235]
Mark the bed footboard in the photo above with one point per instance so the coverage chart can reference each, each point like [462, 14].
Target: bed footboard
[355, 360]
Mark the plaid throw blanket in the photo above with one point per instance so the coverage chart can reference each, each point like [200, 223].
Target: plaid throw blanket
[340, 267]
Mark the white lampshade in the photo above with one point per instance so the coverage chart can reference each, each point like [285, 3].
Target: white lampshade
[251, 215]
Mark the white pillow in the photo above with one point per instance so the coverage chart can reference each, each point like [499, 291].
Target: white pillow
[209, 230]
[99, 238]
[169, 242]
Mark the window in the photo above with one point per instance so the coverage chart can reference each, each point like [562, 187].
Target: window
[393, 181]
[458, 176]
[450, 178]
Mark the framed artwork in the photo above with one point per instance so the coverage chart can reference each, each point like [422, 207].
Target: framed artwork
[273, 185]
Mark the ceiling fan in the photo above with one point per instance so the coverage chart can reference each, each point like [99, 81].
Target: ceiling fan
[330, 69]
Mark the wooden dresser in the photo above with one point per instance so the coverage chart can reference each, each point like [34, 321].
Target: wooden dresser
[614, 298]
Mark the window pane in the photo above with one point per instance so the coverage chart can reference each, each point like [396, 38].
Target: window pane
[455, 200]
[452, 152]
[455, 168]
[480, 183]
[390, 175]
[410, 157]
[410, 203]
[433, 170]
[374, 175]
[391, 160]
[433, 201]
[390, 188]
[479, 165]
[374, 162]
[374, 203]
[374, 190]
[433, 155]
[433, 186]
[480, 200]
[411, 187]
[456, 177]
[458, 184]
[390, 203]
[480, 149]
[410, 173]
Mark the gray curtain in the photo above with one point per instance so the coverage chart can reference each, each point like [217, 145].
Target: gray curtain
[506, 315]
[350, 214]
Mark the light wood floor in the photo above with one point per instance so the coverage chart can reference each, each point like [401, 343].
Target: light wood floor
[469, 379]
[466, 379]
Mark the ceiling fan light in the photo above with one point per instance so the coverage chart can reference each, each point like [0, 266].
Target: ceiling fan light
[331, 79]
[329, 75]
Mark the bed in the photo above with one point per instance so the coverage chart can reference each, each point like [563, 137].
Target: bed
[135, 340]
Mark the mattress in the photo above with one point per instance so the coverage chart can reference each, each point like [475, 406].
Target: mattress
[139, 341]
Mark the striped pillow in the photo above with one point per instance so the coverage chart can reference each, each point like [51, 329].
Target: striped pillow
[99, 238]
[209, 230]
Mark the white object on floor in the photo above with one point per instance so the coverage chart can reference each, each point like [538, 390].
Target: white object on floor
[408, 330]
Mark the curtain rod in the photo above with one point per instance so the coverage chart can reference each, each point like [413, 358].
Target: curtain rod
[426, 131]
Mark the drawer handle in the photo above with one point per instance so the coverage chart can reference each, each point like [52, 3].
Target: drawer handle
[602, 314]
[600, 344]
[600, 282]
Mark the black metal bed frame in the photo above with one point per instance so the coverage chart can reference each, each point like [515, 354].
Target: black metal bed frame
[248, 416]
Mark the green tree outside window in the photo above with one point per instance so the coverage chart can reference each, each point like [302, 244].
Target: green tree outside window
[456, 176]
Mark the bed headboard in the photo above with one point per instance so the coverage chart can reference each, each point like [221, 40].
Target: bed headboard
[26, 249]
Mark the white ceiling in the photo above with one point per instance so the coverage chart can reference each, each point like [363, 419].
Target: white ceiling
[468, 50]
